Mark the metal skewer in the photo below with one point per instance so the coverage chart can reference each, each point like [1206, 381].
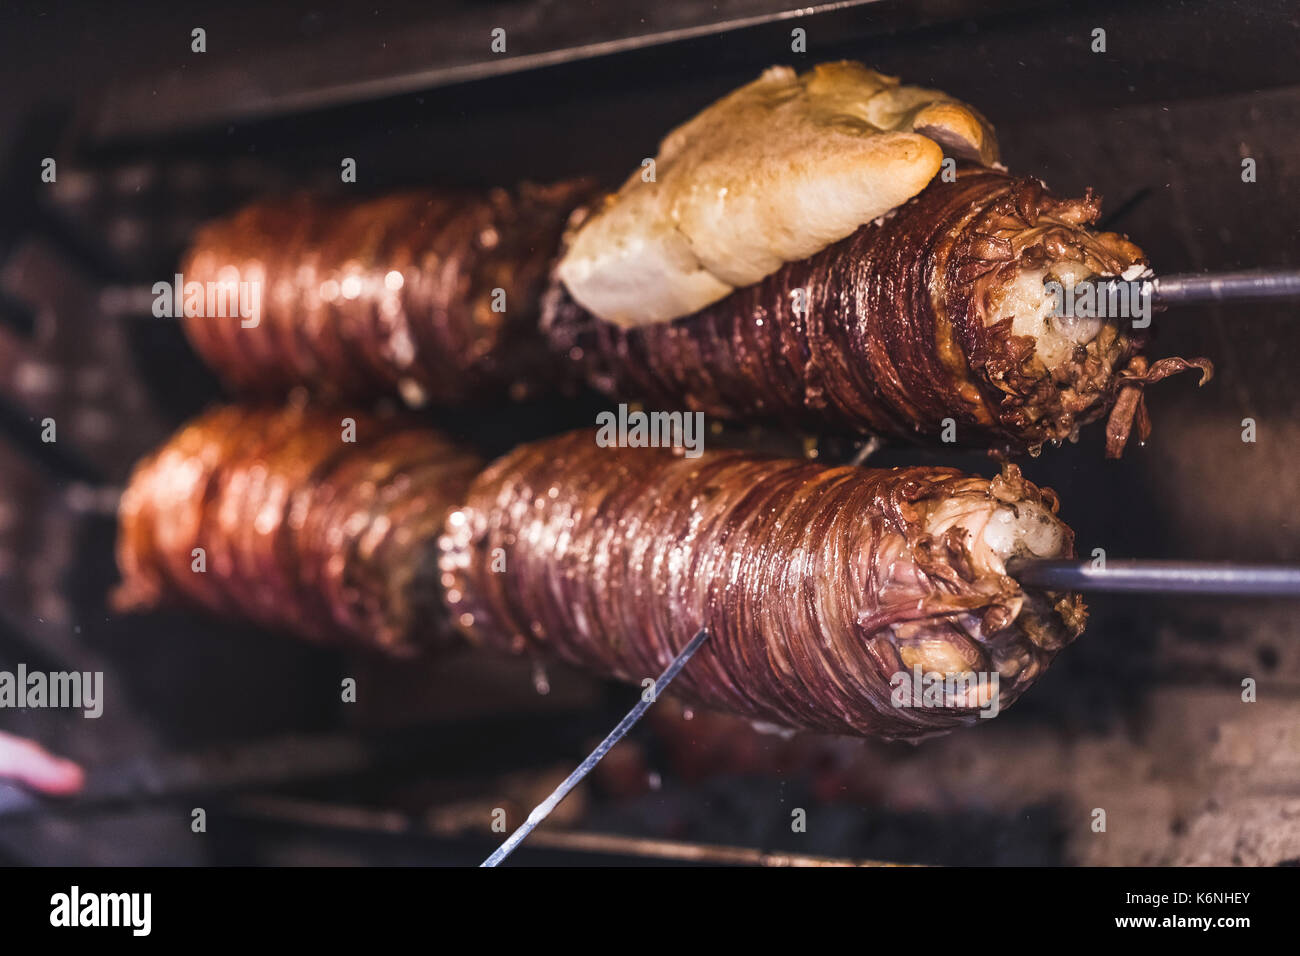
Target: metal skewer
[1161, 577]
[1100, 296]
[543, 809]
[1184, 288]
[1244, 286]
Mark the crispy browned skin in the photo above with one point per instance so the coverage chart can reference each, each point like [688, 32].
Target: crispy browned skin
[817, 583]
[893, 340]
[332, 540]
[336, 320]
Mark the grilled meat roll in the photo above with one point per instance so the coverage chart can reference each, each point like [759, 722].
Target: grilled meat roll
[936, 311]
[433, 295]
[299, 529]
[825, 589]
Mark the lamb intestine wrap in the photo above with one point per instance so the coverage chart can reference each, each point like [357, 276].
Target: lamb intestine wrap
[818, 584]
[935, 312]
